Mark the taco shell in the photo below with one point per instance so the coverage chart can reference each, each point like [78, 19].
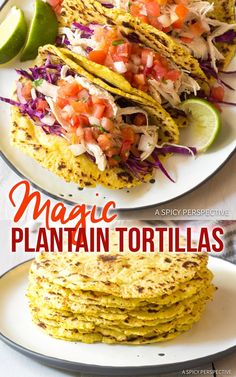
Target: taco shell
[52, 152]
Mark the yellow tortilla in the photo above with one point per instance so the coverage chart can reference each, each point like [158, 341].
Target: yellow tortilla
[52, 151]
[89, 11]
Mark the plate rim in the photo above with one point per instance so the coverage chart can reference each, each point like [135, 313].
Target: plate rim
[109, 370]
[69, 202]
[121, 210]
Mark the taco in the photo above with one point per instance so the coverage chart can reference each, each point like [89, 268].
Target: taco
[150, 74]
[206, 28]
[198, 36]
[92, 11]
[83, 129]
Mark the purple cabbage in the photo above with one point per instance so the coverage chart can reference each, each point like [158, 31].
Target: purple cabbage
[87, 32]
[88, 49]
[49, 72]
[108, 5]
[176, 149]
[209, 71]
[227, 37]
[159, 165]
[61, 41]
[140, 168]
[25, 74]
[137, 167]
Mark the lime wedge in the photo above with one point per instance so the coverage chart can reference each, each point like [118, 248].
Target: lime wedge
[204, 122]
[43, 30]
[13, 31]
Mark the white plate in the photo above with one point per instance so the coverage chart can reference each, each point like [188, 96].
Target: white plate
[188, 173]
[211, 338]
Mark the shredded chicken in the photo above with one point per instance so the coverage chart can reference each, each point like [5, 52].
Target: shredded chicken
[147, 144]
[97, 91]
[57, 113]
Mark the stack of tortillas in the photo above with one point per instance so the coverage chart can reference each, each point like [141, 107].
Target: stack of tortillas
[132, 298]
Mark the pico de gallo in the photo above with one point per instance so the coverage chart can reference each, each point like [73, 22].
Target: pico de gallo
[56, 5]
[109, 131]
[142, 67]
[187, 21]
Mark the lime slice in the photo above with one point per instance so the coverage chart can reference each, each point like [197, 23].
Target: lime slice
[43, 30]
[13, 31]
[204, 122]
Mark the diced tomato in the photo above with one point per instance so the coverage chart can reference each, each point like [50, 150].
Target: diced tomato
[74, 121]
[62, 102]
[97, 56]
[98, 110]
[178, 24]
[139, 79]
[88, 135]
[69, 89]
[26, 91]
[145, 54]
[166, 29]
[109, 112]
[96, 100]
[119, 58]
[143, 18]
[106, 143]
[124, 49]
[163, 61]
[159, 70]
[172, 75]
[128, 134]
[109, 61]
[153, 8]
[125, 149]
[181, 10]
[217, 93]
[155, 23]
[135, 10]
[57, 9]
[147, 71]
[79, 106]
[112, 49]
[140, 120]
[186, 39]
[197, 29]
[129, 76]
[83, 120]
[54, 3]
[107, 124]
[110, 36]
[41, 105]
[135, 49]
